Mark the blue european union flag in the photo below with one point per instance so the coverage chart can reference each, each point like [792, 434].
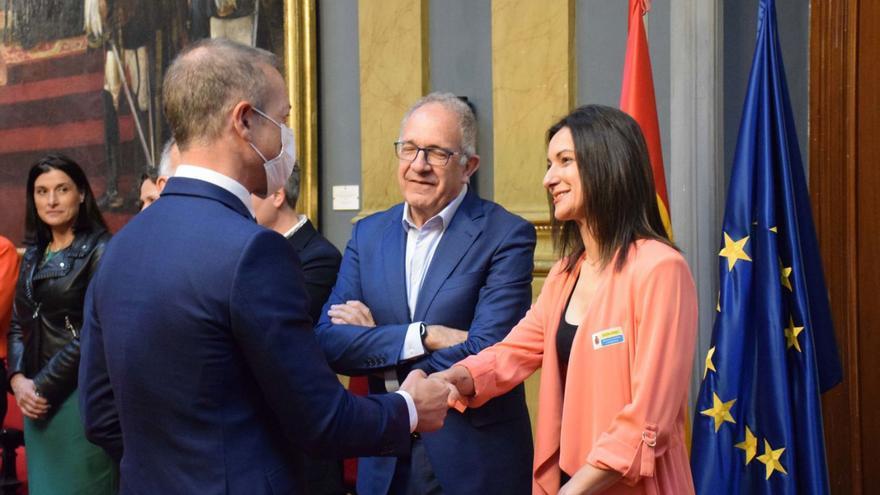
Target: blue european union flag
[758, 420]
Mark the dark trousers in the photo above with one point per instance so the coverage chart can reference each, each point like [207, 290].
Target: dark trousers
[415, 477]
[324, 476]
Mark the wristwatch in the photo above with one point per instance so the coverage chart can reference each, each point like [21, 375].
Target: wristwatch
[423, 332]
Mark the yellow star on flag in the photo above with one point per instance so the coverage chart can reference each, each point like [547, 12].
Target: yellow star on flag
[720, 411]
[718, 304]
[770, 458]
[791, 335]
[734, 251]
[749, 445]
[784, 273]
[774, 230]
[709, 364]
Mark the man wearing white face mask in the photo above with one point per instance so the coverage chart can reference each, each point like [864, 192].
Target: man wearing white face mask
[279, 168]
[276, 170]
[210, 371]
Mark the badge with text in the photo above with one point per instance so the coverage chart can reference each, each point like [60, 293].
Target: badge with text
[607, 337]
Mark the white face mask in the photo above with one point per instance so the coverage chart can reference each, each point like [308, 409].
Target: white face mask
[279, 168]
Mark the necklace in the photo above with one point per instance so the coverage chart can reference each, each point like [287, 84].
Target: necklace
[48, 254]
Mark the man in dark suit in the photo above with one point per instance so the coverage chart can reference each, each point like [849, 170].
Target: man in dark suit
[202, 374]
[319, 258]
[423, 285]
[320, 264]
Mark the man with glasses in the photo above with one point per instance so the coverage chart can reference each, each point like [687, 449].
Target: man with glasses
[423, 285]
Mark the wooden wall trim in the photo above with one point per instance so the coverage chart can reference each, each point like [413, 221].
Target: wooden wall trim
[300, 61]
[832, 148]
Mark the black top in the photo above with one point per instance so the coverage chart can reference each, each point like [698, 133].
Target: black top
[565, 338]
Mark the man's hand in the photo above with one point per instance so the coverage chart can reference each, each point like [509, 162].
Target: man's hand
[440, 337]
[351, 313]
[430, 397]
[31, 404]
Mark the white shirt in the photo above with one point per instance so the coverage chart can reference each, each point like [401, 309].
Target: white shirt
[219, 180]
[302, 221]
[421, 244]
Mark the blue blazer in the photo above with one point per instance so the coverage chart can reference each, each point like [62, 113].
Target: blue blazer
[199, 366]
[479, 280]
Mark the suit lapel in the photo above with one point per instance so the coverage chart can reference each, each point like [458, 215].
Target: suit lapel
[461, 233]
[394, 259]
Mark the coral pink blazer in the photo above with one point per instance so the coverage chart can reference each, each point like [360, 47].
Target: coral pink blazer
[624, 405]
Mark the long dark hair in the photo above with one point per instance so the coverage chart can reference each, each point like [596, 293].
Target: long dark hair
[36, 232]
[620, 202]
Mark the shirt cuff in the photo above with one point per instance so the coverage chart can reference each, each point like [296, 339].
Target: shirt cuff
[412, 344]
[411, 406]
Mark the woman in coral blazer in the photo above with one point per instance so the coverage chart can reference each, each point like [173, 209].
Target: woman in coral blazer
[613, 329]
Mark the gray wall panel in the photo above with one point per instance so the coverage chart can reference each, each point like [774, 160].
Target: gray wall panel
[339, 111]
[600, 46]
[460, 43]
[600, 49]
[740, 27]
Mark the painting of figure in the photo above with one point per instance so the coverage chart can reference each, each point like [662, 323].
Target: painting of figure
[84, 77]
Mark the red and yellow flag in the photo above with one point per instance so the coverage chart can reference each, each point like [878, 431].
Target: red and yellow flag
[637, 99]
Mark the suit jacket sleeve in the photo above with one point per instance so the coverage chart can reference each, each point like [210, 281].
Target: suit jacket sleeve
[666, 326]
[271, 326]
[352, 349]
[96, 400]
[502, 302]
[320, 267]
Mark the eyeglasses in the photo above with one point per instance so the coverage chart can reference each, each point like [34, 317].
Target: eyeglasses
[434, 156]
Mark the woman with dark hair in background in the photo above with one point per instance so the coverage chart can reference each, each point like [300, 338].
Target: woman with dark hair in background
[65, 236]
[613, 329]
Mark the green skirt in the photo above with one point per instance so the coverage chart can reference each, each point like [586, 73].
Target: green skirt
[61, 461]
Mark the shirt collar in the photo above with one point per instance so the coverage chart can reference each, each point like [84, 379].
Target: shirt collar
[219, 180]
[302, 221]
[445, 215]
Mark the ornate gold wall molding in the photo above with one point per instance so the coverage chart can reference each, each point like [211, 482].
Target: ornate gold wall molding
[393, 36]
[533, 86]
[300, 62]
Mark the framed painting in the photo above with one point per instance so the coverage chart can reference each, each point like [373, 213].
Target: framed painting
[84, 78]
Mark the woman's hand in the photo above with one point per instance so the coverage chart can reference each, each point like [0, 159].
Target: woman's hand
[589, 480]
[29, 401]
[460, 381]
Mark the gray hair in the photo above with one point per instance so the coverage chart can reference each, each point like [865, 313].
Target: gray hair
[206, 80]
[291, 187]
[165, 168]
[467, 122]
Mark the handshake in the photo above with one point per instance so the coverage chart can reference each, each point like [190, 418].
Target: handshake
[434, 395]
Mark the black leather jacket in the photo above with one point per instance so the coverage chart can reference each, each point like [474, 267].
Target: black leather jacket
[48, 312]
